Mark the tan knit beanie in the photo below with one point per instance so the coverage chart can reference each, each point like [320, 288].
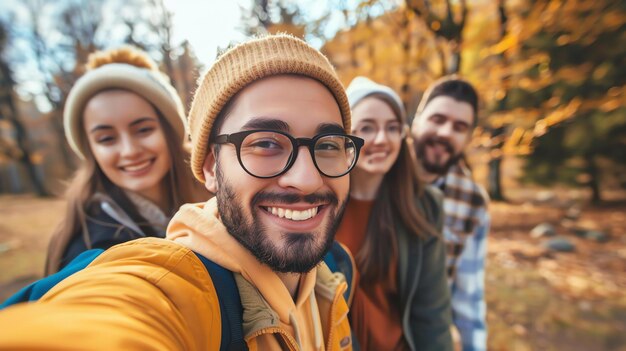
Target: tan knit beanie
[124, 68]
[248, 62]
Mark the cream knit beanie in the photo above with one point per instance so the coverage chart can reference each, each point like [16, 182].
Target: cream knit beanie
[144, 80]
[248, 62]
[362, 87]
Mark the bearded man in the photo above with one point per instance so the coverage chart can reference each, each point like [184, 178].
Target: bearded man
[442, 129]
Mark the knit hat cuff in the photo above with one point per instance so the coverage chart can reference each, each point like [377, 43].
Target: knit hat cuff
[151, 85]
[362, 87]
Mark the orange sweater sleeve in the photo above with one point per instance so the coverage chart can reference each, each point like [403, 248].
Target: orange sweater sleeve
[152, 296]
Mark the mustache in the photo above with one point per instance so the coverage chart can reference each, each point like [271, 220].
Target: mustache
[291, 198]
[432, 140]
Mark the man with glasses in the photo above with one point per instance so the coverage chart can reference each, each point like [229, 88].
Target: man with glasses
[268, 126]
[442, 129]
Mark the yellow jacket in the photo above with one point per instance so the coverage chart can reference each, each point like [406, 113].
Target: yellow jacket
[155, 294]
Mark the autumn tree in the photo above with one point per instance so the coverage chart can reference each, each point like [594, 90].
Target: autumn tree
[61, 36]
[149, 26]
[273, 16]
[61, 39]
[394, 48]
[447, 21]
[17, 148]
[566, 68]
[498, 131]
[186, 72]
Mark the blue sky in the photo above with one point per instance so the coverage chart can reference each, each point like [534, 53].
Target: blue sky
[207, 25]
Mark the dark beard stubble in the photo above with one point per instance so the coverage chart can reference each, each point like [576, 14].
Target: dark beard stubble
[300, 253]
[434, 168]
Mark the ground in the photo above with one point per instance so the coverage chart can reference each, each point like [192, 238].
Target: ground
[541, 300]
[536, 299]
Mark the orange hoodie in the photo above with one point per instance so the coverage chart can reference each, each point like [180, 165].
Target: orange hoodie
[156, 294]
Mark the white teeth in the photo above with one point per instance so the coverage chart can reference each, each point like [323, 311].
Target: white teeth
[293, 214]
[137, 167]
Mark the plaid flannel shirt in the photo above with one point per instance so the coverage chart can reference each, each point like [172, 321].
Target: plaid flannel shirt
[465, 230]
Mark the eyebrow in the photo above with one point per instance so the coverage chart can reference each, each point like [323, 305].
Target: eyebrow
[141, 120]
[133, 123]
[276, 124]
[266, 123]
[330, 128]
[437, 114]
[371, 120]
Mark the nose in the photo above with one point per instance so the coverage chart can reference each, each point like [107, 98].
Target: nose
[445, 130]
[303, 175]
[381, 136]
[130, 148]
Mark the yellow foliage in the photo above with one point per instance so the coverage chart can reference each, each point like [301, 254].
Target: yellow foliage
[612, 104]
[509, 41]
[396, 49]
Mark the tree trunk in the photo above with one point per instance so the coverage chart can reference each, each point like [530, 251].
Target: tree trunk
[495, 163]
[38, 185]
[594, 178]
[25, 158]
[11, 115]
[67, 154]
[22, 143]
[495, 179]
[455, 64]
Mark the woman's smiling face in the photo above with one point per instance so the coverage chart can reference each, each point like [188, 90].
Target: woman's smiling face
[128, 141]
[375, 121]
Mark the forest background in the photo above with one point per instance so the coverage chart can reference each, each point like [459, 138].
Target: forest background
[550, 146]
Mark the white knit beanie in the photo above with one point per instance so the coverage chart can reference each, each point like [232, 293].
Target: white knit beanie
[150, 84]
[362, 87]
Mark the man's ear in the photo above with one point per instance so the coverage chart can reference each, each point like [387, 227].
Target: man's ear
[209, 170]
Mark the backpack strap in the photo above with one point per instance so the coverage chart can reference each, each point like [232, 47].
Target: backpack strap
[339, 259]
[230, 306]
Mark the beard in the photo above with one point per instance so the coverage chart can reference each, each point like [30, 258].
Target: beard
[437, 166]
[300, 252]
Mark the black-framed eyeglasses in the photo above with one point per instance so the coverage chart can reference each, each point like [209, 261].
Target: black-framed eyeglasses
[270, 153]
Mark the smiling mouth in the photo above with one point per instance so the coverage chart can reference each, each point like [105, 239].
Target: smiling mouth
[377, 157]
[378, 153]
[293, 215]
[137, 166]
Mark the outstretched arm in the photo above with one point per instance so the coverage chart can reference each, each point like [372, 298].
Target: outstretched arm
[129, 298]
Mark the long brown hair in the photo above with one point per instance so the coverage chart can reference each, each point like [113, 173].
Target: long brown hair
[89, 179]
[398, 194]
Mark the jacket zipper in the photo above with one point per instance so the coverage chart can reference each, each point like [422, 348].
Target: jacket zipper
[332, 319]
[291, 342]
